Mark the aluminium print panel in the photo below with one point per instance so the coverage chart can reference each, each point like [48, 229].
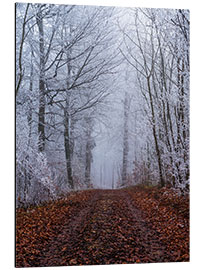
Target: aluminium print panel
[102, 135]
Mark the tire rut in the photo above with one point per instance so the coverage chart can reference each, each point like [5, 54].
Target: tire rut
[67, 237]
[107, 229]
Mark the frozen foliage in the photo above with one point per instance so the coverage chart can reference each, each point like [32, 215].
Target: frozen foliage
[102, 98]
[34, 179]
[65, 56]
[156, 46]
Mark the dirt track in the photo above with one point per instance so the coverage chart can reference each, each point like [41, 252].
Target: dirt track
[105, 228]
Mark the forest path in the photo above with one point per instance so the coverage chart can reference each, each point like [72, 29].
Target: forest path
[100, 227]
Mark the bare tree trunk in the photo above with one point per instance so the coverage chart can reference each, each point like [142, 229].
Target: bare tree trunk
[88, 157]
[27, 171]
[162, 182]
[68, 150]
[113, 176]
[101, 180]
[21, 52]
[88, 151]
[67, 128]
[125, 140]
[41, 119]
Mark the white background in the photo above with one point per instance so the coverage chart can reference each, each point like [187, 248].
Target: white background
[7, 118]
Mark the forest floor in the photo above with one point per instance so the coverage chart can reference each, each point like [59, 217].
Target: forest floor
[131, 225]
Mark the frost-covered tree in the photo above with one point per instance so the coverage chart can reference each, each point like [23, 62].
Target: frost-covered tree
[156, 46]
[65, 56]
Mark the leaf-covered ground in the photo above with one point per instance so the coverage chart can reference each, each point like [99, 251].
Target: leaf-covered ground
[132, 225]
